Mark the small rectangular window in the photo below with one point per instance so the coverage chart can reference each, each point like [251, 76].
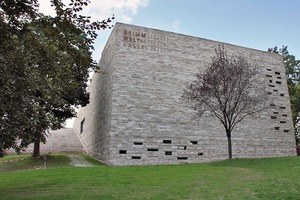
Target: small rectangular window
[122, 151]
[269, 69]
[268, 75]
[276, 128]
[269, 93]
[152, 149]
[278, 82]
[285, 115]
[271, 85]
[272, 104]
[200, 154]
[273, 117]
[270, 81]
[282, 107]
[278, 73]
[282, 122]
[182, 147]
[275, 113]
[136, 157]
[167, 141]
[194, 142]
[182, 158]
[168, 153]
[137, 143]
[275, 90]
[286, 131]
[279, 77]
[82, 125]
[282, 95]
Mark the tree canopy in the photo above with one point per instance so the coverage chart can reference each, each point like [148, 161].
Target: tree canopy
[44, 66]
[228, 89]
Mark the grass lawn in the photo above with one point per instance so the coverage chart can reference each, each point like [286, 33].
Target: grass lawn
[269, 178]
[26, 162]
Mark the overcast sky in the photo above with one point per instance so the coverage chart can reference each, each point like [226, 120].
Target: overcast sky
[257, 24]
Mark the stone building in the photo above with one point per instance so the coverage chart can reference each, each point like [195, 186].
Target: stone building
[136, 116]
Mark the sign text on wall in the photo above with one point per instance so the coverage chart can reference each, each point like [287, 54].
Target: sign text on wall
[145, 41]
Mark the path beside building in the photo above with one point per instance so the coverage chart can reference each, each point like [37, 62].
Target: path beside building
[78, 161]
[60, 141]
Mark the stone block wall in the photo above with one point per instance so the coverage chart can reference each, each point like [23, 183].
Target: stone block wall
[93, 122]
[136, 116]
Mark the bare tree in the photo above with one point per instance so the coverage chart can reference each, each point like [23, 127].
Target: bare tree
[229, 88]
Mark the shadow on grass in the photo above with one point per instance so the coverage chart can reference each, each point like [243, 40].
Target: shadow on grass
[260, 163]
[26, 162]
[271, 178]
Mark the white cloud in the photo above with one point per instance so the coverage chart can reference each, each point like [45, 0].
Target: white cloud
[46, 8]
[175, 26]
[123, 10]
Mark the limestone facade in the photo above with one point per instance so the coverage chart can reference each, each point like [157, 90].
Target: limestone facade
[136, 116]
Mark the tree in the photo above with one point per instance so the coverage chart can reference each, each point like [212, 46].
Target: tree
[292, 68]
[229, 90]
[44, 66]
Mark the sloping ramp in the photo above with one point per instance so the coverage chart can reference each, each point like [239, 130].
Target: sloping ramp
[59, 141]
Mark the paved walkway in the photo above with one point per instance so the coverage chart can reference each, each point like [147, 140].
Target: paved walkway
[79, 161]
[60, 141]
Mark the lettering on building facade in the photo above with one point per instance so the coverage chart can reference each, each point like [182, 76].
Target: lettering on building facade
[145, 41]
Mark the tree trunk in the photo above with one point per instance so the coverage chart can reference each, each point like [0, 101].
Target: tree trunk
[228, 133]
[36, 147]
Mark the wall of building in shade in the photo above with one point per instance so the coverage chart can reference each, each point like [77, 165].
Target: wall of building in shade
[136, 116]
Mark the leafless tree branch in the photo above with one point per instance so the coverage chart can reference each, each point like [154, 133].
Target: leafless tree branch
[229, 88]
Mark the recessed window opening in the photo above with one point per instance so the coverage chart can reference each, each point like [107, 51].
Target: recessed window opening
[275, 113]
[82, 125]
[167, 141]
[278, 82]
[182, 147]
[269, 93]
[138, 143]
[276, 128]
[136, 157]
[269, 69]
[270, 81]
[273, 117]
[272, 104]
[282, 107]
[200, 154]
[182, 158]
[282, 122]
[271, 85]
[152, 149]
[278, 73]
[122, 151]
[194, 142]
[282, 95]
[275, 90]
[278, 77]
[286, 131]
[285, 115]
[268, 75]
[168, 152]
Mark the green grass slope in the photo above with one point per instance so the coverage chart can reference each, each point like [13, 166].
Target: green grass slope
[269, 178]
